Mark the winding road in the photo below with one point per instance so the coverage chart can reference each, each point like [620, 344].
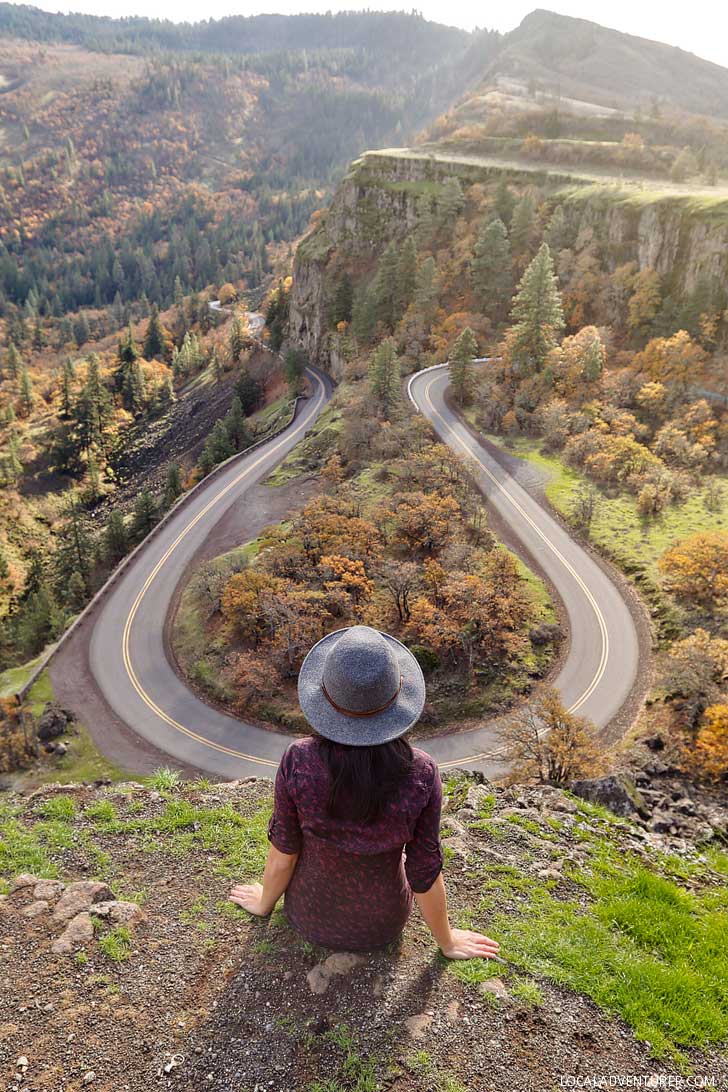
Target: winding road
[128, 659]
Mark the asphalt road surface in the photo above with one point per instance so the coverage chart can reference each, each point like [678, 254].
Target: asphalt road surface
[600, 668]
[129, 663]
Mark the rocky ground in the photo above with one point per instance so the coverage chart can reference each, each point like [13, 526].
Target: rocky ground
[124, 968]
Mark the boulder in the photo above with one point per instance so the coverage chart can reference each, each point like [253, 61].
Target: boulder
[35, 908]
[25, 879]
[617, 793]
[80, 896]
[118, 911]
[48, 889]
[53, 722]
[79, 931]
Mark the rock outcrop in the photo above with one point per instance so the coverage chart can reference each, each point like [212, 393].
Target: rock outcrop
[683, 237]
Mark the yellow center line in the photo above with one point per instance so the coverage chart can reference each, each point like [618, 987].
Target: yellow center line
[554, 549]
[148, 701]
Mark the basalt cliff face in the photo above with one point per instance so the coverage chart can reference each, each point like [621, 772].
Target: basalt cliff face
[683, 236]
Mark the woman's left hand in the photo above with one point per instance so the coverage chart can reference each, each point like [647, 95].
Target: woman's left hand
[249, 896]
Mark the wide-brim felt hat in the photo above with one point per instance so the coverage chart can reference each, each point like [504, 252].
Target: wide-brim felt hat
[361, 687]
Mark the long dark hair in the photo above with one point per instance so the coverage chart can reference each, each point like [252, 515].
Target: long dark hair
[364, 779]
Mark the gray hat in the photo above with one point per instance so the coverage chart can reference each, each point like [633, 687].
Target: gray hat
[361, 687]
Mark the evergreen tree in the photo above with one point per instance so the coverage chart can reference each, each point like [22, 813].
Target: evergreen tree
[75, 592]
[504, 201]
[68, 382]
[406, 275]
[237, 338]
[116, 537]
[38, 339]
[178, 292]
[451, 201]
[343, 301]
[294, 366]
[127, 354]
[490, 269]
[145, 515]
[523, 225]
[75, 550]
[556, 234]
[81, 330]
[425, 220]
[27, 397]
[13, 362]
[460, 366]
[154, 337]
[92, 410]
[40, 622]
[173, 485]
[248, 391]
[425, 291]
[363, 314]
[385, 378]
[385, 288]
[235, 425]
[135, 390]
[216, 366]
[538, 315]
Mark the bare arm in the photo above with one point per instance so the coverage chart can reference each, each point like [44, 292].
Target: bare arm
[260, 899]
[454, 943]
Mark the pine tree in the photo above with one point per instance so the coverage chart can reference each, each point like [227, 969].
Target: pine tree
[406, 275]
[135, 391]
[92, 409]
[173, 485]
[294, 365]
[522, 225]
[450, 202]
[154, 337]
[68, 381]
[363, 313]
[116, 537]
[178, 292]
[127, 355]
[385, 378]
[556, 234]
[235, 425]
[145, 515]
[237, 339]
[425, 220]
[385, 288]
[81, 331]
[538, 314]
[165, 394]
[38, 339]
[490, 269]
[425, 291]
[504, 201]
[13, 362]
[460, 366]
[216, 366]
[41, 621]
[343, 301]
[27, 397]
[75, 550]
[248, 391]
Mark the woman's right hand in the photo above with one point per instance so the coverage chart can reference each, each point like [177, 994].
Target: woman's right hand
[468, 945]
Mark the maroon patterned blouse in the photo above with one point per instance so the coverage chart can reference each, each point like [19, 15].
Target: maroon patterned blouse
[352, 887]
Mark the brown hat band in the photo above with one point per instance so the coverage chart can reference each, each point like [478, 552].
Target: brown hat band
[367, 712]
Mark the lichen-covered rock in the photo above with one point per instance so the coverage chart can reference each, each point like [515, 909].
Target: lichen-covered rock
[618, 793]
[80, 896]
[118, 911]
[79, 931]
[25, 879]
[48, 889]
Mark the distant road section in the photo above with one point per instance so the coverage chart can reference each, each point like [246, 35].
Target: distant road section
[603, 658]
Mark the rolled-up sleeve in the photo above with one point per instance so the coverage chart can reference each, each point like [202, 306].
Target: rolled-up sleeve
[284, 830]
[423, 860]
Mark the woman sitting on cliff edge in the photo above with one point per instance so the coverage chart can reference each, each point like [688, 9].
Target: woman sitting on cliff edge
[355, 830]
